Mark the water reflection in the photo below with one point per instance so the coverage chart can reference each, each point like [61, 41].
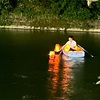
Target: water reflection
[73, 61]
[61, 79]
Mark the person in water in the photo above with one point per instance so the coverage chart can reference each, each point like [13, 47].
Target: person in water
[72, 43]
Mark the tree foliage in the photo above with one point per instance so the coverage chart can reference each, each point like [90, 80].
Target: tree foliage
[62, 9]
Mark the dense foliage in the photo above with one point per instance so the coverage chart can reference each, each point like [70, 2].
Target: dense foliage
[47, 10]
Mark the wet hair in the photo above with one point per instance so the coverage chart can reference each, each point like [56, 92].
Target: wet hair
[71, 37]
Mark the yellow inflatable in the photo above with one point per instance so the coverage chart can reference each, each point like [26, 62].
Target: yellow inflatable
[78, 48]
[66, 48]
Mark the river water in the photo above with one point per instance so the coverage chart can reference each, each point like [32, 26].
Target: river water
[27, 73]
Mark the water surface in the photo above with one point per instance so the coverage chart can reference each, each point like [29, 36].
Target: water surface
[26, 73]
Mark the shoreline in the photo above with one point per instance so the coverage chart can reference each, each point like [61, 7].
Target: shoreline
[47, 28]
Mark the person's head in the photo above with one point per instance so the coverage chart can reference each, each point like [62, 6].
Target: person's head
[70, 38]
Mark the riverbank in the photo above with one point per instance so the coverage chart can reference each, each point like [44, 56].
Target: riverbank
[47, 28]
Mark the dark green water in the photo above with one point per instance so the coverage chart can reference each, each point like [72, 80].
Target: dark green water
[26, 74]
